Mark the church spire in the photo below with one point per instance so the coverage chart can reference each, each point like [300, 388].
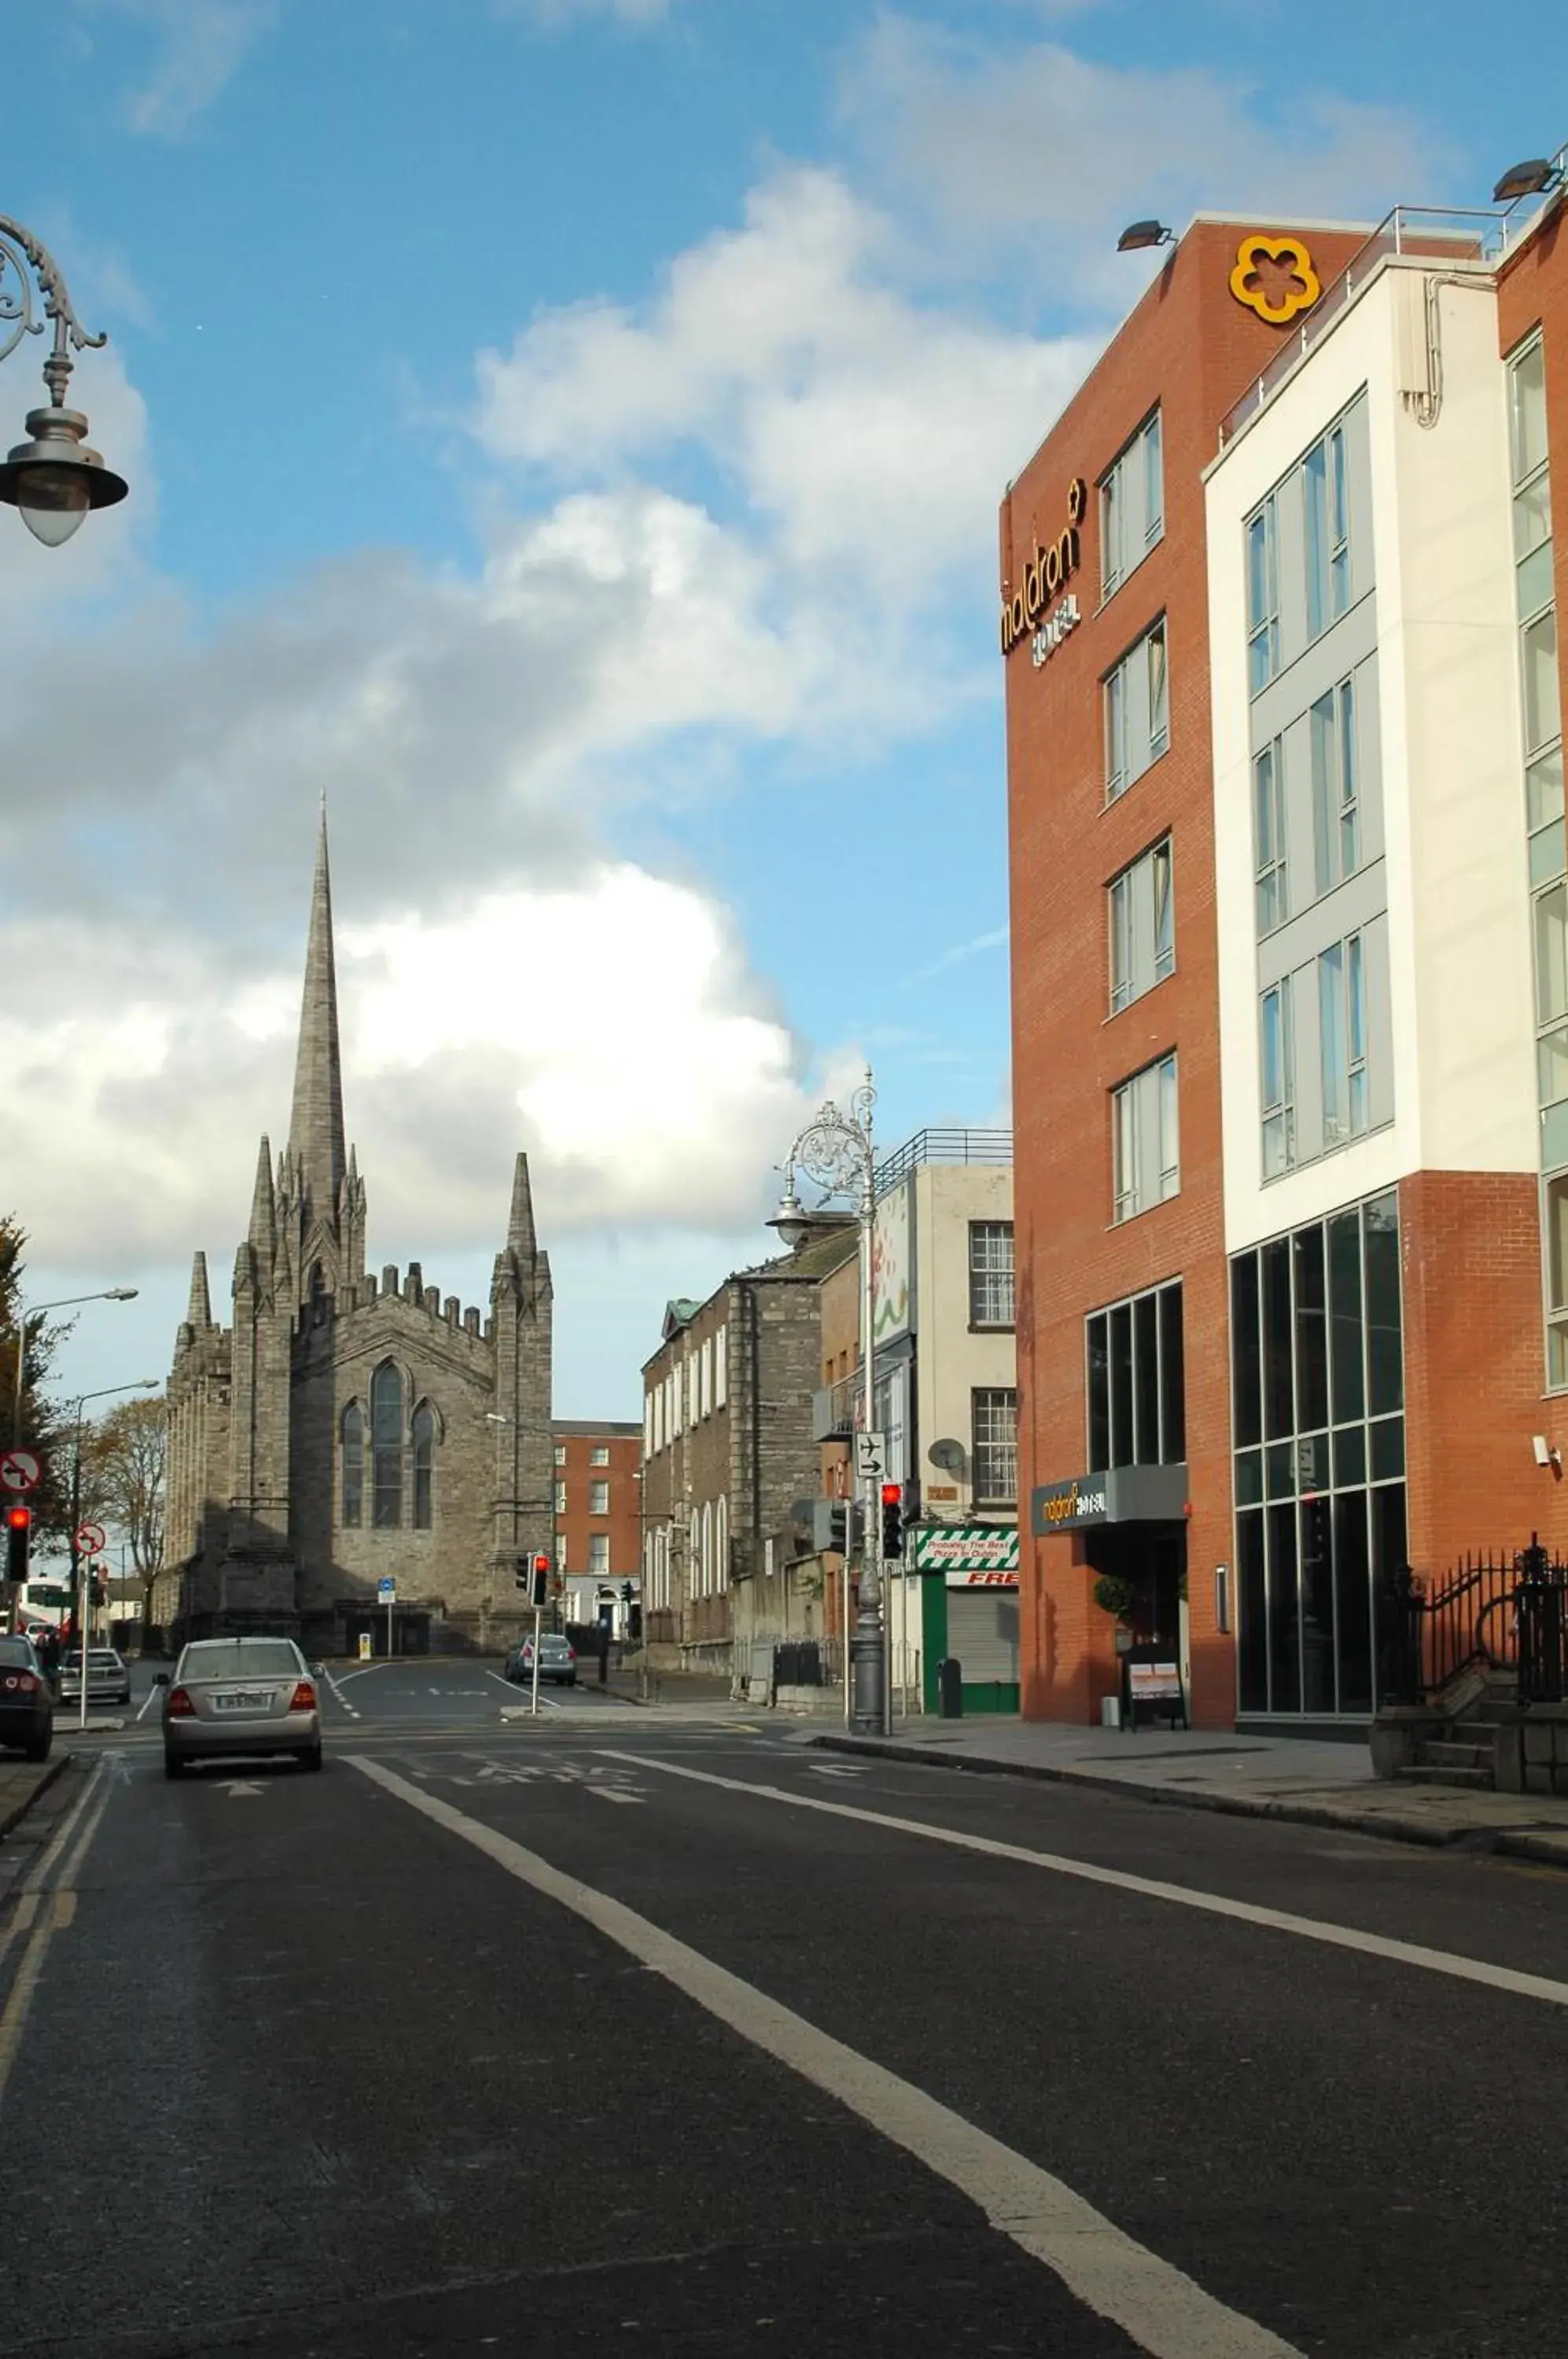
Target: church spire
[263, 1231]
[520, 1238]
[200, 1313]
[316, 1124]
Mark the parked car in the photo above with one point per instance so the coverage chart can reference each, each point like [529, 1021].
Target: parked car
[108, 1680]
[27, 1707]
[237, 1696]
[558, 1661]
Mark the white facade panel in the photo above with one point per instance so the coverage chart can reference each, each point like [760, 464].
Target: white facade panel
[954, 1359]
[1459, 1006]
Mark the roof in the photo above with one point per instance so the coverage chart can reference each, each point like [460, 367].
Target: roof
[616, 1429]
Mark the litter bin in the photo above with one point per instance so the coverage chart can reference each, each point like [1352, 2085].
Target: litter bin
[950, 1689]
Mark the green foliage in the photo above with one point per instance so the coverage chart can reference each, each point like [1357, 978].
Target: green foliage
[1115, 1596]
[41, 1429]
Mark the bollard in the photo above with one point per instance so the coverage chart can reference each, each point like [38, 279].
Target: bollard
[950, 1689]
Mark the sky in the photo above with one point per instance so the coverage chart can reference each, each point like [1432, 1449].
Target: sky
[569, 434]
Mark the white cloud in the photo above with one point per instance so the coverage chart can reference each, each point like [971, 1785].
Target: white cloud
[199, 45]
[553, 13]
[866, 435]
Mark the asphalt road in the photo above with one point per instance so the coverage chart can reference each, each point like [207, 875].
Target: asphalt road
[655, 2032]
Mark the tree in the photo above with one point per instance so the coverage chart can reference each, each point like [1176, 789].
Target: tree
[124, 1457]
[42, 1427]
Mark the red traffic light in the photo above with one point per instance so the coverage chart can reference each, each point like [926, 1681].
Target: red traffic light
[18, 1519]
[892, 1494]
[542, 1564]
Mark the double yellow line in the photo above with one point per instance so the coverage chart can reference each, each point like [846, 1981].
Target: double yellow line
[41, 1912]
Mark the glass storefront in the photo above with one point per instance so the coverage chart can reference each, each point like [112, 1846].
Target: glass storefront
[1317, 1391]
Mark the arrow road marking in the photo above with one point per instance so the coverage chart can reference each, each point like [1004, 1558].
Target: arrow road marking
[614, 1794]
[240, 1785]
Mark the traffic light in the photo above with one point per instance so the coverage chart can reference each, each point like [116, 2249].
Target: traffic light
[892, 1519]
[18, 1540]
[837, 1527]
[627, 1593]
[539, 1593]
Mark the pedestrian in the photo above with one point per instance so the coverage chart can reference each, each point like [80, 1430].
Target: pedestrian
[604, 1652]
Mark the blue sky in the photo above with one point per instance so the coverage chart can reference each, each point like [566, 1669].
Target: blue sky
[570, 435]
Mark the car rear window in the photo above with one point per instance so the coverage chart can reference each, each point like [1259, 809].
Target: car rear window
[104, 1659]
[17, 1652]
[240, 1659]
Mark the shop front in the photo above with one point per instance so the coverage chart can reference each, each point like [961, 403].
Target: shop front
[1130, 1523]
[969, 1611]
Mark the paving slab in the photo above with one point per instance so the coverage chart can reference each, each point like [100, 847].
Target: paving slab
[21, 1783]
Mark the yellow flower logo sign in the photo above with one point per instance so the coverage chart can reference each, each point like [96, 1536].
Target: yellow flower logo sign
[1274, 277]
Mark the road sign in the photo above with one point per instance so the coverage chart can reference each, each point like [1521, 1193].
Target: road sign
[870, 1456]
[364, 1646]
[387, 1589]
[91, 1540]
[20, 1471]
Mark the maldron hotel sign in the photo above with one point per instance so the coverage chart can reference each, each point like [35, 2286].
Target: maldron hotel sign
[1046, 576]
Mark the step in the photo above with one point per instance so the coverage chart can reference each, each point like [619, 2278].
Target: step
[1448, 1753]
[1479, 1781]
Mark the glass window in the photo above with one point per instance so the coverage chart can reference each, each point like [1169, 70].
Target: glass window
[1344, 1316]
[1097, 1341]
[1262, 597]
[600, 1454]
[1385, 1358]
[1552, 955]
[996, 1446]
[1356, 1024]
[1316, 1552]
[560, 1498]
[1278, 1080]
[1542, 686]
[991, 1274]
[1353, 1603]
[1142, 926]
[1146, 1380]
[598, 1498]
[1284, 1609]
[1136, 1381]
[721, 1367]
[1532, 523]
[1170, 1131]
[1159, 698]
[1132, 507]
[1339, 525]
[423, 1434]
[1153, 484]
[1137, 708]
[1117, 754]
[1172, 1379]
[1314, 505]
[1252, 1614]
[599, 1554]
[1279, 1395]
[1556, 1226]
[1246, 1351]
[386, 1445]
[1124, 1152]
[1121, 1384]
[1312, 1331]
[1164, 912]
[1332, 1034]
[560, 1451]
[1268, 821]
[353, 1464]
[1527, 411]
[1120, 897]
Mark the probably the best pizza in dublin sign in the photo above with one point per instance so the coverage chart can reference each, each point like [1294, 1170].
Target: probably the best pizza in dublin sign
[970, 1556]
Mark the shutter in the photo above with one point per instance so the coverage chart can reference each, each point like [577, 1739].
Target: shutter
[983, 1634]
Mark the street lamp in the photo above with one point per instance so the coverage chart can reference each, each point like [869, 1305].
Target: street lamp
[79, 1573]
[53, 478]
[835, 1151]
[66, 1302]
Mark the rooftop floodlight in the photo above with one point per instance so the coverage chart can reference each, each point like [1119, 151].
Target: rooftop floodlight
[1530, 178]
[1139, 234]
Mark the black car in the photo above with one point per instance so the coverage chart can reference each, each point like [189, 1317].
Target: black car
[27, 1707]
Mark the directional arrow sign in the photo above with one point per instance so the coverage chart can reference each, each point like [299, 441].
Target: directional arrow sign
[870, 1456]
[20, 1471]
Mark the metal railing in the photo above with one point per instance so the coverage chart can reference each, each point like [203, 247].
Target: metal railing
[943, 1146]
[1459, 239]
[1505, 1612]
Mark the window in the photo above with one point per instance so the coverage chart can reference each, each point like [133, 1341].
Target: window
[1269, 822]
[560, 1498]
[598, 1498]
[1335, 820]
[600, 1454]
[386, 1446]
[352, 1465]
[703, 1374]
[991, 1289]
[561, 1453]
[1137, 711]
[422, 1433]
[1132, 507]
[1317, 1388]
[1262, 596]
[1144, 1140]
[1137, 1382]
[599, 1555]
[1142, 926]
[721, 1367]
[1342, 1025]
[996, 1446]
[1325, 499]
[722, 1541]
[1277, 1041]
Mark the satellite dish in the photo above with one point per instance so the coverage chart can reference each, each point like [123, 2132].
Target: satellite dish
[950, 1456]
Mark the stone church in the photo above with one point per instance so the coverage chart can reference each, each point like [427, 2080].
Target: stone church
[346, 1428]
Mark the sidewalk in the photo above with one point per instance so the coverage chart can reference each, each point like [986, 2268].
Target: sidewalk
[21, 1783]
[1325, 1785]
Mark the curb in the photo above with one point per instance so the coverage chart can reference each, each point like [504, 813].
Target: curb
[1480, 1840]
[55, 1766]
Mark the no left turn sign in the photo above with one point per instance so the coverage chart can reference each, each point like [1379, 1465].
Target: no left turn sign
[20, 1471]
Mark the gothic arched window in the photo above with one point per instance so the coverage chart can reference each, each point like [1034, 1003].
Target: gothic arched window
[353, 1464]
[386, 1445]
[424, 1433]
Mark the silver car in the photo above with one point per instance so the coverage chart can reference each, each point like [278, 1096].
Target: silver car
[240, 1696]
[108, 1680]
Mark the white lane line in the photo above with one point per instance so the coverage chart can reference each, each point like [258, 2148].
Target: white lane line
[1159, 2308]
[1215, 1904]
[337, 1691]
[151, 1697]
[612, 1794]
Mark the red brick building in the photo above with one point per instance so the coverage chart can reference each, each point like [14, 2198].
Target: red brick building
[598, 1509]
[1283, 1219]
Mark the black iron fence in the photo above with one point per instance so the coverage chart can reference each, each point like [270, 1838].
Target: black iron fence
[1504, 1613]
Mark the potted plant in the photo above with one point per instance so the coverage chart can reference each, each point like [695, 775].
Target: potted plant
[1115, 1595]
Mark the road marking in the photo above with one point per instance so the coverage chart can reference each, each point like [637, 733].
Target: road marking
[61, 1913]
[243, 1786]
[832, 1769]
[614, 1794]
[150, 1699]
[1159, 2308]
[337, 1690]
[1215, 1904]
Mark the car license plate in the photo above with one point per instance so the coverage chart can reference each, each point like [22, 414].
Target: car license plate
[242, 1700]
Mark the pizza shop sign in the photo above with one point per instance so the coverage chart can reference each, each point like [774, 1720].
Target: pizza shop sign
[1046, 576]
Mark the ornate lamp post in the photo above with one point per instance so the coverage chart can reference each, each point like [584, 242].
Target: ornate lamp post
[834, 1152]
[53, 478]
